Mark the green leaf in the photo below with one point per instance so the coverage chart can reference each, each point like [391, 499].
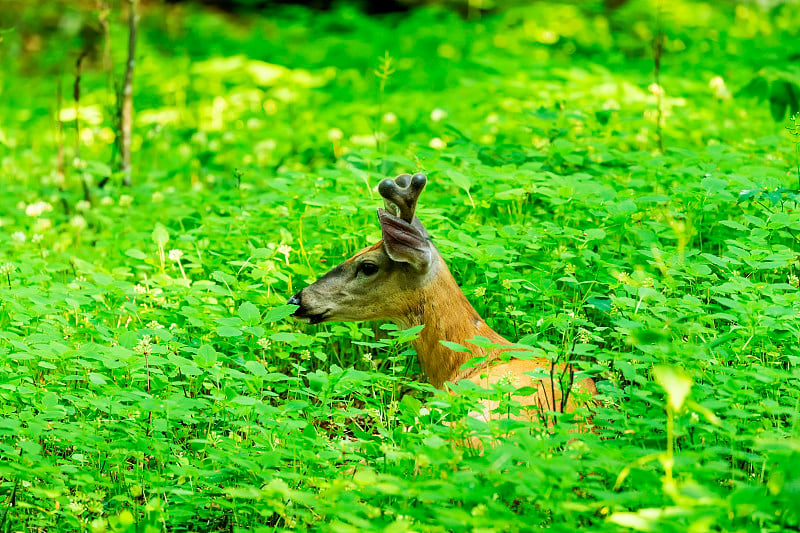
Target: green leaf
[595, 234]
[777, 107]
[249, 313]
[206, 356]
[256, 368]
[758, 87]
[280, 312]
[460, 179]
[228, 331]
[455, 346]
[633, 520]
[160, 235]
[780, 98]
[677, 384]
[434, 441]
[284, 336]
[97, 379]
[135, 253]
[602, 303]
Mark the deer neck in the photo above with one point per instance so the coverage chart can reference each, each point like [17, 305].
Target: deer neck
[448, 316]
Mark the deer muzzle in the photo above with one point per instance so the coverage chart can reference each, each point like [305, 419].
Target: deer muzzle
[303, 313]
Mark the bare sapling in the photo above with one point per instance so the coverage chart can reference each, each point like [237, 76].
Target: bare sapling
[126, 98]
[76, 96]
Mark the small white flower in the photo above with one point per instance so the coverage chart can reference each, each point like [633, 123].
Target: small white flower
[37, 208]
[139, 289]
[154, 324]
[438, 114]
[37, 237]
[143, 346]
[285, 249]
[125, 200]
[42, 224]
[6, 268]
[264, 343]
[390, 118]
[437, 143]
[175, 255]
[655, 89]
[479, 291]
[77, 222]
[106, 200]
[509, 379]
[18, 237]
[270, 106]
[717, 84]
[335, 134]
[83, 205]
[424, 411]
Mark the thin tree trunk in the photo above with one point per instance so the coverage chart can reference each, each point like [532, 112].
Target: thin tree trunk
[76, 94]
[126, 107]
[60, 165]
[658, 51]
[103, 14]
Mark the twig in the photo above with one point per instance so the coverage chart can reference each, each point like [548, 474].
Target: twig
[658, 50]
[12, 499]
[76, 95]
[60, 137]
[126, 104]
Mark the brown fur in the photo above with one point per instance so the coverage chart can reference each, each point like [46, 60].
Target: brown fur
[433, 298]
[447, 315]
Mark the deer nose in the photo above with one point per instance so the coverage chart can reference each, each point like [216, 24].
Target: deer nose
[295, 300]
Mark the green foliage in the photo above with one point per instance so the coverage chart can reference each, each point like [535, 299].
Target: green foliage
[780, 88]
[150, 379]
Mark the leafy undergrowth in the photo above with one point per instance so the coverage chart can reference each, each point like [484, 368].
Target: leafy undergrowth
[149, 377]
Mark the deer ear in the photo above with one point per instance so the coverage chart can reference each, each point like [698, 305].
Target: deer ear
[404, 242]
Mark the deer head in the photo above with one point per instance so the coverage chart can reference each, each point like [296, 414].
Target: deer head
[379, 281]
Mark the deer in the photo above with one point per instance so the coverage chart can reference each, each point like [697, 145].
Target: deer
[404, 279]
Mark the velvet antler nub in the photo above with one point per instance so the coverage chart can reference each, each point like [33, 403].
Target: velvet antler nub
[400, 195]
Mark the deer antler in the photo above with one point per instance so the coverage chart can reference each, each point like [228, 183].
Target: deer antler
[400, 195]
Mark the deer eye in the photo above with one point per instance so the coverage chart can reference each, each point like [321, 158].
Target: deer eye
[368, 269]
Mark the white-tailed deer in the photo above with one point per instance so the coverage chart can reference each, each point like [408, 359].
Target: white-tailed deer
[404, 279]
